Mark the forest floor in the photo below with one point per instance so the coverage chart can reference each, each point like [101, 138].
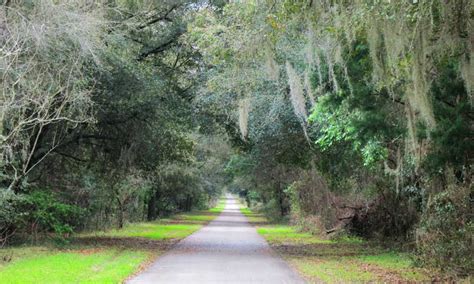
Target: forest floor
[343, 260]
[101, 257]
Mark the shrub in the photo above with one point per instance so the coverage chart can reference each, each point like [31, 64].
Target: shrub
[9, 214]
[445, 234]
[271, 209]
[310, 223]
[390, 217]
[43, 212]
[311, 207]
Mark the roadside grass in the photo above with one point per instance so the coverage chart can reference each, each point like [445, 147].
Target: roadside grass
[154, 230]
[219, 206]
[43, 265]
[331, 271]
[399, 263]
[346, 259]
[101, 257]
[253, 218]
[285, 234]
[174, 228]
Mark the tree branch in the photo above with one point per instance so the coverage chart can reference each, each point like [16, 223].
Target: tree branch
[70, 156]
[164, 46]
[160, 18]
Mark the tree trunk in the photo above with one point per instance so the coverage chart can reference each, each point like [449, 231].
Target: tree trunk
[120, 219]
[152, 212]
[281, 201]
[120, 213]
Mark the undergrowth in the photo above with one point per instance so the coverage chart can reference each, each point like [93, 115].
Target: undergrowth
[344, 259]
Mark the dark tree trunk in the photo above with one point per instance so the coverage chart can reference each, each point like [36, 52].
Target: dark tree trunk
[120, 221]
[281, 201]
[120, 213]
[188, 204]
[152, 212]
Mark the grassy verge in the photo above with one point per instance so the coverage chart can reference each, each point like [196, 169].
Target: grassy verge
[46, 265]
[101, 257]
[334, 261]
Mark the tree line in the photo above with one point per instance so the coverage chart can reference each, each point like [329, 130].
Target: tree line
[343, 117]
[97, 122]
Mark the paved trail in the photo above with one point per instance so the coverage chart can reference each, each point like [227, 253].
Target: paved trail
[228, 250]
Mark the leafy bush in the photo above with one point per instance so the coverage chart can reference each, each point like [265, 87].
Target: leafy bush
[445, 235]
[9, 214]
[45, 213]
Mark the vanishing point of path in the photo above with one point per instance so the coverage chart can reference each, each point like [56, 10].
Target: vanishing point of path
[228, 250]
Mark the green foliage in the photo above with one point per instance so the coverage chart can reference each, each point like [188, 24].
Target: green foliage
[373, 152]
[47, 213]
[389, 109]
[136, 152]
[358, 116]
[333, 108]
[9, 214]
[452, 136]
[446, 230]
[39, 212]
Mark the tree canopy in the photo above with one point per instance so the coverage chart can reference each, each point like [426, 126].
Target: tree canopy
[357, 114]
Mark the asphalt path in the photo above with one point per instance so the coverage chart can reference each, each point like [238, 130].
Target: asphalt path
[227, 250]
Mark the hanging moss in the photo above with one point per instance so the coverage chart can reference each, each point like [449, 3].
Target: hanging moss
[244, 107]
[271, 66]
[309, 88]
[297, 97]
[296, 92]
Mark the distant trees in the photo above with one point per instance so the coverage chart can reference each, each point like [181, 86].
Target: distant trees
[352, 109]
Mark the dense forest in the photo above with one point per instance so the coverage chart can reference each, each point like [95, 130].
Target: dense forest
[341, 117]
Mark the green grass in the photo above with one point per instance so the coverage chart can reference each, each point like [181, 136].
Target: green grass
[253, 218]
[281, 234]
[333, 271]
[390, 260]
[219, 207]
[103, 263]
[345, 259]
[154, 231]
[246, 211]
[177, 227]
[400, 263]
[386, 267]
[44, 265]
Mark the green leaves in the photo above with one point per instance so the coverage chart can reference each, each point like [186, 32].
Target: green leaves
[336, 124]
[374, 152]
[45, 212]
